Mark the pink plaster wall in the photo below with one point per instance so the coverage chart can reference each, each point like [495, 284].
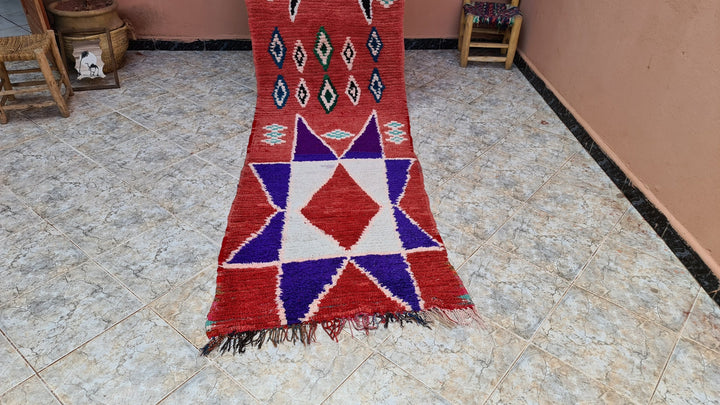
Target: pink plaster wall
[188, 20]
[644, 78]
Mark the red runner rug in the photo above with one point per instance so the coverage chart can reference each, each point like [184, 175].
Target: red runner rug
[331, 225]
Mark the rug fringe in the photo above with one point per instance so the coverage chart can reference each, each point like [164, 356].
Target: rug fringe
[305, 333]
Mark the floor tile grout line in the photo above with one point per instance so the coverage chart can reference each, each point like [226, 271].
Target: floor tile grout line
[27, 363]
[232, 378]
[173, 390]
[672, 351]
[557, 304]
[429, 388]
[372, 353]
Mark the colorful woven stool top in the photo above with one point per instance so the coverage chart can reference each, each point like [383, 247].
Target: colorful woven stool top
[499, 14]
[331, 225]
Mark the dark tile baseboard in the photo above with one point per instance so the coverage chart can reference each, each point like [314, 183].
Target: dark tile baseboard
[652, 215]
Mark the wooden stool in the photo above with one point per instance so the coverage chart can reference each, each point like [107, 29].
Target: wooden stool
[43, 49]
[489, 19]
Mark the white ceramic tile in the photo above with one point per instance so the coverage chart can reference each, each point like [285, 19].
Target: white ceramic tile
[14, 369]
[65, 312]
[141, 360]
[692, 376]
[703, 325]
[14, 214]
[210, 386]
[31, 391]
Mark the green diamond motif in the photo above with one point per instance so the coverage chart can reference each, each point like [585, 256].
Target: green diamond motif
[328, 96]
[323, 48]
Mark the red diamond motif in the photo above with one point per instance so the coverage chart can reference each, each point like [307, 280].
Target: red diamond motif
[328, 208]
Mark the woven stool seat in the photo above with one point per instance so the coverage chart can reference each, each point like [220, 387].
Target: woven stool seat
[23, 47]
[42, 49]
[499, 14]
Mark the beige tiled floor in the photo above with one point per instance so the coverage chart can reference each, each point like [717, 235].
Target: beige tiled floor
[112, 220]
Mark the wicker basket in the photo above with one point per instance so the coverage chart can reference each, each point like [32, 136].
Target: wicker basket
[119, 38]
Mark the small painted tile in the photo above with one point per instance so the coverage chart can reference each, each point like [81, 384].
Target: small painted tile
[692, 376]
[100, 133]
[544, 148]
[539, 378]
[473, 210]
[69, 185]
[32, 391]
[14, 369]
[462, 363]
[139, 158]
[139, 361]
[378, 381]
[62, 314]
[703, 326]
[228, 155]
[209, 386]
[14, 214]
[293, 372]
[548, 242]
[104, 222]
[660, 291]
[510, 291]
[166, 255]
[607, 343]
[34, 255]
[186, 306]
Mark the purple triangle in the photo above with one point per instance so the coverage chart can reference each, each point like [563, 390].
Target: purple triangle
[265, 247]
[276, 179]
[367, 145]
[302, 282]
[397, 177]
[410, 234]
[308, 147]
[392, 273]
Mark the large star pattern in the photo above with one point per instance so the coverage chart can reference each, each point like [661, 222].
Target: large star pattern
[338, 228]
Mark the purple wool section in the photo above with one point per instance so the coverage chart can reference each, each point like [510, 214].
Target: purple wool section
[367, 145]
[397, 177]
[392, 273]
[411, 235]
[264, 248]
[302, 282]
[276, 179]
[309, 147]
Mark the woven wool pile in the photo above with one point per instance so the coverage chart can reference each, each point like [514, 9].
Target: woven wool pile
[331, 225]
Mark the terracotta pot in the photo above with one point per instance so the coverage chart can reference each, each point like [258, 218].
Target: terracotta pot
[85, 21]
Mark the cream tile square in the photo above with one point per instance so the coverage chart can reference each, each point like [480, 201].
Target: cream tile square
[162, 111]
[23, 130]
[82, 108]
[139, 361]
[14, 214]
[14, 369]
[607, 343]
[692, 376]
[34, 255]
[293, 372]
[546, 120]
[210, 386]
[228, 155]
[544, 148]
[186, 306]
[130, 92]
[583, 172]
[703, 325]
[104, 222]
[31, 391]
[510, 291]
[203, 132]
[153, 262]
[62, 314]
[378, 381]
[471, 209]
[460, 246]
[463, 364]
[100, 133]
[650, 287]
[635, 232]
[549, 242]
[578, 205]
[33, 160]
[539, 378]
